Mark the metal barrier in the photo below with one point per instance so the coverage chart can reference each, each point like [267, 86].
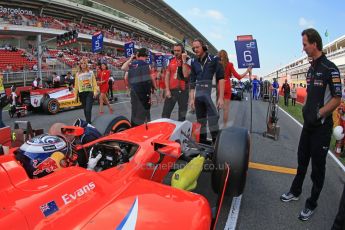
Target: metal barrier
[25, 78]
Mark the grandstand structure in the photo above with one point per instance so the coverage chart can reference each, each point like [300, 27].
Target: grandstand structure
[149, 23]
[295, 72]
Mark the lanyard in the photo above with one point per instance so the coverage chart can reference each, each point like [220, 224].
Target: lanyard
[203, 65]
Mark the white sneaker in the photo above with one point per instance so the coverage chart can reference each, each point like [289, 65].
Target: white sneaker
[287, 197]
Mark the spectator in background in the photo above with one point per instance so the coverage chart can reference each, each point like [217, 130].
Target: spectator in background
[261, 88]
[103, 78]
[35, 83]
[286, 91]
[13, 99]
[275, 89]
[34, 67]
[85, 87]
[69, 80]
[56, 80]
[256, 88]
[293, 94]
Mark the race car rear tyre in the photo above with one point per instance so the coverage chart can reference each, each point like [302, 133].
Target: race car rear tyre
[232, 146]
[51, 106]
[108, 124]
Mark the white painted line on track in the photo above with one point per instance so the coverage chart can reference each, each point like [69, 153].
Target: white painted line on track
[121, 102]
[233, 213]
[329, 152]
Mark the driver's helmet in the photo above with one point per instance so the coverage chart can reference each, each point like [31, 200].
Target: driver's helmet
[42, 154]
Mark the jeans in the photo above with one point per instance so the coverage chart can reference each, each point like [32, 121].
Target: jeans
[205, 112]
[313, 144]
[179, 96]
[86, 99]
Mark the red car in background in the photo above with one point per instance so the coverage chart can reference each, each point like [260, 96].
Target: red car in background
[49, 100]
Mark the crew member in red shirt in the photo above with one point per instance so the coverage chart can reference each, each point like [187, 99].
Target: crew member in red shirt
[103, 78]
[176, 84]
[229, 71]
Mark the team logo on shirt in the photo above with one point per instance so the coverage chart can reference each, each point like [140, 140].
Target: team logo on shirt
[318, 83]
[336, 80]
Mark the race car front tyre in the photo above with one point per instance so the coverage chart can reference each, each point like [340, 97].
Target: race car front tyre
[108, 124]
[51, 106]
[232, 147]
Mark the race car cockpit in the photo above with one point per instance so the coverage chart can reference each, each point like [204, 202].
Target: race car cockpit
[45, 154]
[109, 154]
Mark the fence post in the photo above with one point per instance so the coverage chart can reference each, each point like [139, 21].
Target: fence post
[39, 56]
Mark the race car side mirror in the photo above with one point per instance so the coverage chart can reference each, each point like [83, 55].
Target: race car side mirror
[167, 148]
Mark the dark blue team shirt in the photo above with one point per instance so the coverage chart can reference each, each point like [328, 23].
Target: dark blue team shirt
[139, 77]
[202, 70]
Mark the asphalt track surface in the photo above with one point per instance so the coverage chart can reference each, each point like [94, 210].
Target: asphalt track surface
[260, 207]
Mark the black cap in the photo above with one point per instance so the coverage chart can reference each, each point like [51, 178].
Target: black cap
[142, 52]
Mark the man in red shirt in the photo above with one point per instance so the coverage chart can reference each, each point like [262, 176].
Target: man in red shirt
[176, 84]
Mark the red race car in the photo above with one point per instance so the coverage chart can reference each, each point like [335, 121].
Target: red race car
[116, 181]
